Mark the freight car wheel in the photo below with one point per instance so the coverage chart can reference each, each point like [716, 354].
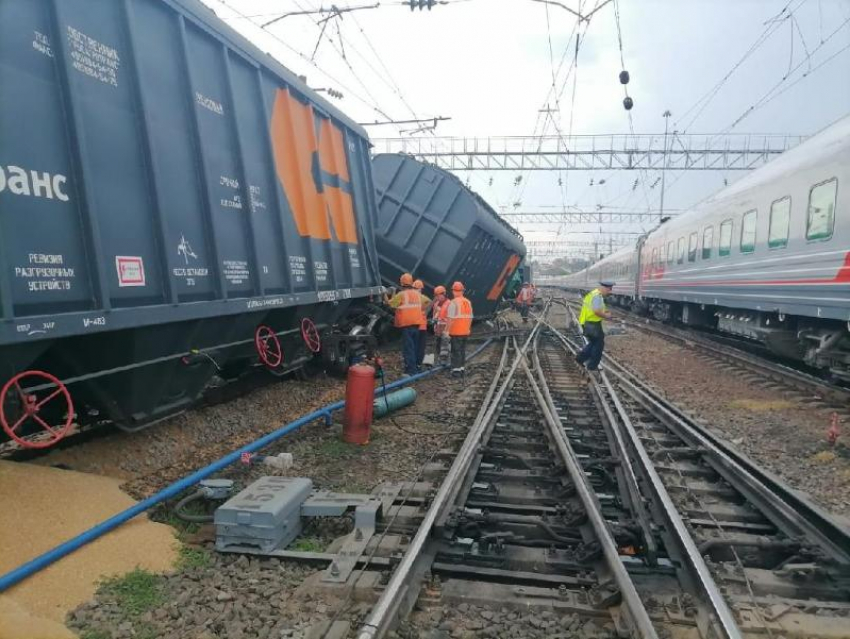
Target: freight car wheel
[268, 346]
[19, 407]
[311, 335]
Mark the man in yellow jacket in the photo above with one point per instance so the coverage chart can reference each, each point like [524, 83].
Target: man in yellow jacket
[593, 311]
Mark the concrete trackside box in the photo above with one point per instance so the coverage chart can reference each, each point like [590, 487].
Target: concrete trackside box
[156, 167]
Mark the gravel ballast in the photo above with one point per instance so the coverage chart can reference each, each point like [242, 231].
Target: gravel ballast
[785, 432]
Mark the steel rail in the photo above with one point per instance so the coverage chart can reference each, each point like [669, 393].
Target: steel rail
[780, 502]
[722, 614]
[638, 614]
[784, 373]
[384, 612]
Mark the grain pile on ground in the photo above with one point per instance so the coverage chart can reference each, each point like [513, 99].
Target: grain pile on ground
[46, 506]
[784, 432]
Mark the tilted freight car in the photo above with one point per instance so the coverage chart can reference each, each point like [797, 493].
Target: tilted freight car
[173, 205]
[431, 225]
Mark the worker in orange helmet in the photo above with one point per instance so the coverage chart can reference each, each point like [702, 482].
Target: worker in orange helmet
[423, 324]
[524, 299]
[441, 336]
[408, 314]
[459, 316]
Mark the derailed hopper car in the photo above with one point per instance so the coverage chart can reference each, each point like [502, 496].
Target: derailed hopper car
[431, 225]
[173, 204]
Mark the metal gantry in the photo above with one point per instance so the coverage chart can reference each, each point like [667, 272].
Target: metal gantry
[694, 152]
[582, 217]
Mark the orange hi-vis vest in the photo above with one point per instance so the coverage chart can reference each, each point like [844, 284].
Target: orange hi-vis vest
[459, 316]
[525, 295]
[409, 312]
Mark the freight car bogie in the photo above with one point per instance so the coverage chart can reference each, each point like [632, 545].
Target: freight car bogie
[137, 377]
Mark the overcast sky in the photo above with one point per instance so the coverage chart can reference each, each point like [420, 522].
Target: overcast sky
[488, 65]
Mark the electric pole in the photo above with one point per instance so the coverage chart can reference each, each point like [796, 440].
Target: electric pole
[666, 116]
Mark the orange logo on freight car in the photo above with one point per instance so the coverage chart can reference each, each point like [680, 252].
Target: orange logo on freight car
[499, 286]
[310, 161]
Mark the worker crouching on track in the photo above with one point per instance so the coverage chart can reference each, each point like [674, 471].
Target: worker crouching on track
[408, 315]
[441, 336]
[524, 300]
[593, 311]
[458, 324]
[422, 339]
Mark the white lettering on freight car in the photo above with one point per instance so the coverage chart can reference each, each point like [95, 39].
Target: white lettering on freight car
[208, 103]
[298, 268]
[94, 321]
[93, 58]
[41, 43]
[45, 272]
[19, 181]
[332, 296]
[353, 257]
[321, 270]
[256, 201]
[271, 301]
[236, 271]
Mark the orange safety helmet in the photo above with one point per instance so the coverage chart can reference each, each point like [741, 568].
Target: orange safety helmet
[440, 290]
[457, 286]
[418, 285]
[406, 279]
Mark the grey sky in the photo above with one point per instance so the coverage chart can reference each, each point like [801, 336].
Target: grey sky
[486, 64]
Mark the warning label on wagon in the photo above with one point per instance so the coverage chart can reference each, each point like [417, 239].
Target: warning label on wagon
[131, 270]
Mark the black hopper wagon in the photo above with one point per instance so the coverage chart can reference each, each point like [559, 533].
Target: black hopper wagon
[174, 205]
[433, 226]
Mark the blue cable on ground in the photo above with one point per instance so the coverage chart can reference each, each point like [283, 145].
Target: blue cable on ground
[33, 566]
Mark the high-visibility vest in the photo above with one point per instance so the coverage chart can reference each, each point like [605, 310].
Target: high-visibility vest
[587, 314]
[409, 312]
[525, 295]
[459, 316]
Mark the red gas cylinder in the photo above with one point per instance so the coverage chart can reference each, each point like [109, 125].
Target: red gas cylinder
[359, 398]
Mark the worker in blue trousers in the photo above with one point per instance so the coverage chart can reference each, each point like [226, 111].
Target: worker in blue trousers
[593, 311]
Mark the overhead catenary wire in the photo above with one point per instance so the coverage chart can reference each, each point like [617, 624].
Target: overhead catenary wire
[349, 91]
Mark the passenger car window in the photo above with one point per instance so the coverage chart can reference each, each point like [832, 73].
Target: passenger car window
[670, 255]
[693, 240]
[681, 257]
[725, 239]
[707, 242]
[748, 232]
[780, 218]
[821, 218]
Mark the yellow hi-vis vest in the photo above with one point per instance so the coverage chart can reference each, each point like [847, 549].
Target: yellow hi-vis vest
[587, 314]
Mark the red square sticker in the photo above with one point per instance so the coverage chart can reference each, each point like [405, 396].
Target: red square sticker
[131, 270]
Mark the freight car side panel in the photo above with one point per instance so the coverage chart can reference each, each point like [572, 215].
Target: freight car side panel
[42, 249]
[167, 164]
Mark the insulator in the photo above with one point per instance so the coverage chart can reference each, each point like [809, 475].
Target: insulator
[628, 103]
[624, 77]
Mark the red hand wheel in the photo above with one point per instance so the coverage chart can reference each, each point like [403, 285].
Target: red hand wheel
[18, 407]
[311, 335]
[268, 346]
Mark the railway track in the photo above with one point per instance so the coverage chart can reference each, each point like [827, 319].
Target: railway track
[603, 501]
[748, 366]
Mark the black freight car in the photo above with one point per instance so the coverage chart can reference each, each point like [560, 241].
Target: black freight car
[431, 225]
[173, 205]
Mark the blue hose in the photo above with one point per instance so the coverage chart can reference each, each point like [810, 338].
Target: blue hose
[66, 548]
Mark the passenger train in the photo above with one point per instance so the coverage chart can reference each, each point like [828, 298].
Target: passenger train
[767, 258]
